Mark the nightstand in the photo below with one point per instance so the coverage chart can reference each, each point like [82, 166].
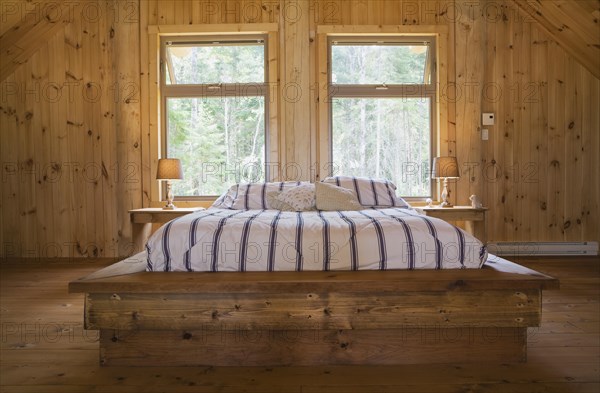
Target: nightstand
[474, 218]
[142, 220]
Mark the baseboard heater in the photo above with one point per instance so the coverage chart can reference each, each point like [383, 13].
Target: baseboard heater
[543, 248]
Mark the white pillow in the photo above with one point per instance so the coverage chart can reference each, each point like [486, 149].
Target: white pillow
[301, 198]
[330, 197]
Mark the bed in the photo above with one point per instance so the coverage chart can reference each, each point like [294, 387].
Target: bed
[395, 288]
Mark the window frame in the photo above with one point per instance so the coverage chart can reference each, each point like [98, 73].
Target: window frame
[424, 90]
[216, 90]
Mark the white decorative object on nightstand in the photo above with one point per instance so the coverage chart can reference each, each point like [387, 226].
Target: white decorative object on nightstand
[475, 202]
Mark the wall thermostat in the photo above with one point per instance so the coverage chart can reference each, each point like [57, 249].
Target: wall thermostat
[487, 119]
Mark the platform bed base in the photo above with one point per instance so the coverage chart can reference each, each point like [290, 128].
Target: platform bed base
[312, 347]
[312, 318]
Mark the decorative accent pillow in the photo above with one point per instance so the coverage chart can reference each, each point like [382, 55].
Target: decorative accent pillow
[330, 197]
[301, 198]
[276, 204]
[370, 192]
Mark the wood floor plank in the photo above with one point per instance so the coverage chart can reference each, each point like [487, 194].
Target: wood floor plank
[565, 354]
[517, 373]
[441, 388]
[543, 340]
[567, 327]
[374, 388]
[446, 388]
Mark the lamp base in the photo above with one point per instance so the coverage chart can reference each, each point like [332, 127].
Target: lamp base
[169, 205]
[445, 194]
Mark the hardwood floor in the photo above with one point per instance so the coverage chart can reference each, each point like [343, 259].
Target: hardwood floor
[44, 347]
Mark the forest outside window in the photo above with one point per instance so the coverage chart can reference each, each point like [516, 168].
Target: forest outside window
[214, 102]
[383, 103]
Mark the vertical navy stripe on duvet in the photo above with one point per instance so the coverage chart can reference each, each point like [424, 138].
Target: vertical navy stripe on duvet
[352, 240]
[244, 241]
[299, 228]
[410, 244]
[326, 243]
[439, 248]
[273, 242]
[217, 240]
[193, 241]
[380, 240]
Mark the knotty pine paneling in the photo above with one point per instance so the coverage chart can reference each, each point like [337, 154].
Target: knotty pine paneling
[73, 166]
[70, 139]
[540, 162]
[573, 24]
[465, 143]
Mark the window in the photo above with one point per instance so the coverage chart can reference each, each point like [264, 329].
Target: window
[383, 109]
[214, 96]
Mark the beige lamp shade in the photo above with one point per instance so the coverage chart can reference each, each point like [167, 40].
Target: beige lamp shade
[169, 169]
[445, 167]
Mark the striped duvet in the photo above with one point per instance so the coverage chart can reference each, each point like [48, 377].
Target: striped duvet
[272, 240]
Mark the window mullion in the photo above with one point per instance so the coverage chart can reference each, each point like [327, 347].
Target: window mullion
[215, 91]
[391, 91]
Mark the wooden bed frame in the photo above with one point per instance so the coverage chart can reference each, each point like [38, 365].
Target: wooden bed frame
[312, 318]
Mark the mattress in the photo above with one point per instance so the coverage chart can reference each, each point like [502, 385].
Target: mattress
[272, 240]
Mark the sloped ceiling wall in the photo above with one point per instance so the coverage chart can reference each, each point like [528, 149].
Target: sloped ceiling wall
[574, 24]
[27, 25]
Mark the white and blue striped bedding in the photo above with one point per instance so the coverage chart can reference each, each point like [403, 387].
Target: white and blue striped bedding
[370, 192]
[244, 196]
[272, 240]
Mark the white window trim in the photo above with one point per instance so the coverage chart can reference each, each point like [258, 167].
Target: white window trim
[440, 122]
[424, 90]
[151, 120]
[206, 90]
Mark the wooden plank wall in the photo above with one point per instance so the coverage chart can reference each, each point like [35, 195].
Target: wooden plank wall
[73, 166]
[541, 160]
[70, 137]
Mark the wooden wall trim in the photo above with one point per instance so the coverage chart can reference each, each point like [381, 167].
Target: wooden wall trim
[295, 96]
[273, 113]
[144, 105]
[217, 28]
[381, 29]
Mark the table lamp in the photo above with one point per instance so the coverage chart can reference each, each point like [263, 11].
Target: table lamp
[169, 169]
[445, 168]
